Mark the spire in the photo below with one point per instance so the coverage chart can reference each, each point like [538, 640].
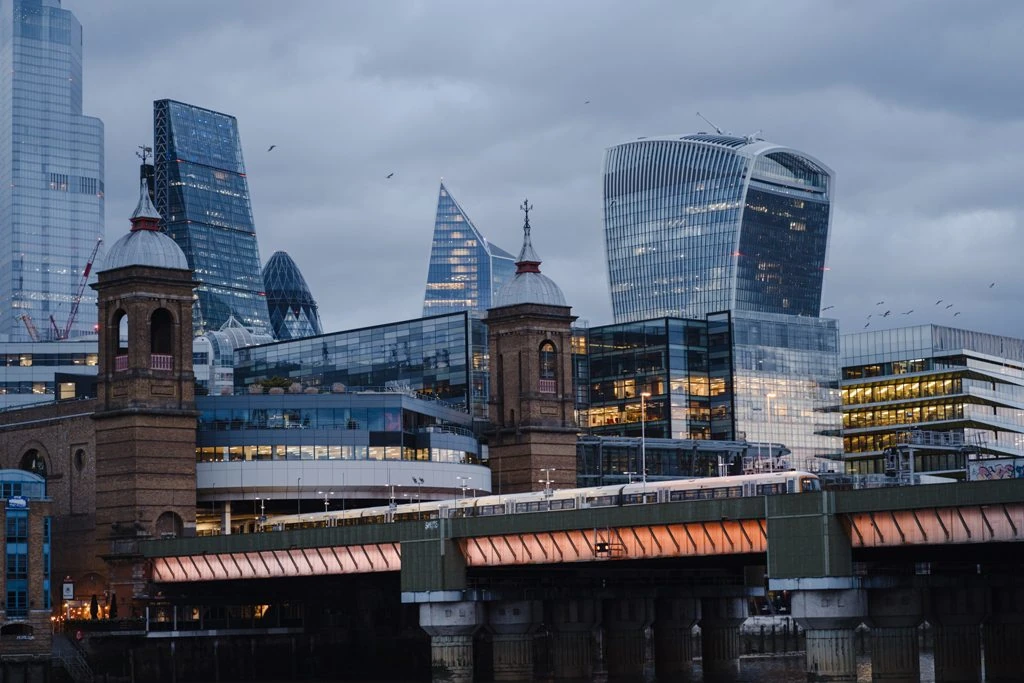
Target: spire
[528, 261]
[145, 216]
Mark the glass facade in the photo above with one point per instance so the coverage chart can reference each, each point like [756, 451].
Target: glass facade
[51, 173]
[947, 391]
[202, 196]
[28, 370]
[23, 488]
[706, 223]
[755, 377]
[293, 311]
[441, 357]
[465, 269]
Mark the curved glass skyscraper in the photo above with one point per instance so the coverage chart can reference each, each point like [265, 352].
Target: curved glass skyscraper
[465, 269]
[293, 311]
[51, 173]
[203, 199]
[704, 223]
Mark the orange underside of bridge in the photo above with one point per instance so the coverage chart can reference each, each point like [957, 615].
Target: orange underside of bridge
[953, 525]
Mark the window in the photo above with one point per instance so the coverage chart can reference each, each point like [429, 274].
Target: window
[548, 367]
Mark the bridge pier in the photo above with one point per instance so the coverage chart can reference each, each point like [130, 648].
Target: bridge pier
[830, 619]
[894, 615]
[955, 613]
[720, 621]
[674, 620]
[626, 621]
[513, 624]
[572, 637]
[1004, 634]
[451, 626]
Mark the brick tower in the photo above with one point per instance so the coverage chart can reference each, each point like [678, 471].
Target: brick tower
[533, 433]
[145, 417]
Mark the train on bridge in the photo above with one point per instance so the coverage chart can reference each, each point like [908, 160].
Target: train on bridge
[636, 493]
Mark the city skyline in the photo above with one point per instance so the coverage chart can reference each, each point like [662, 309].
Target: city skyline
[917, 138]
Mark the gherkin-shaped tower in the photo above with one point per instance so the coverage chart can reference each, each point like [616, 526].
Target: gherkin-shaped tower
[293, 310]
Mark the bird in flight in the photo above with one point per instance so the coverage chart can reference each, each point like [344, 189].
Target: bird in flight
[949, 306]
[271, 147]
[879, 303]
[956, 314]
[992, 285]
[389, 175]
[866, 325]
[886, 314]
[827, 308]
[938, 302]
[907, 312]
[869, 316]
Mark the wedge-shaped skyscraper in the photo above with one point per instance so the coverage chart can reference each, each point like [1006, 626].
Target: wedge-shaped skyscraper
[465, 269]
[203, 197]
[704, 223]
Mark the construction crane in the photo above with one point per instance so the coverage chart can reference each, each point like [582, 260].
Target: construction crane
[63, 334]
[33, 333]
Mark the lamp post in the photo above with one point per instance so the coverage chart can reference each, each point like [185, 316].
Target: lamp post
[547, 480]
[464, 484]
[326, 495]
[419, 489]
[298, 496]
[644, 395]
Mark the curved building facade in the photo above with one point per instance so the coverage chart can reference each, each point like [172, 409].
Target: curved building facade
[704, 223]
[293, 310]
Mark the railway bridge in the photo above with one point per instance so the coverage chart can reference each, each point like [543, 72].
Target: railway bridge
[601, 581]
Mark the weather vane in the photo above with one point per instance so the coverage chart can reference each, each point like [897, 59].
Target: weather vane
[526, 208]
[144, 152]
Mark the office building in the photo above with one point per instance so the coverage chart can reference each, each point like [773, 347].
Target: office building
[213, 356]
[465, 269]
[442, 357]
[293, 311]
[765, 379]
[705, 223]
[29, 371]
[954, 397]
[202, 196]
[51, 174]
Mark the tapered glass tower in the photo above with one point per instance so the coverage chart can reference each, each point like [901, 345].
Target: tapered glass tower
[51, 173]
[293, 311]
[465, 269]
[704, 223]
[203, 196]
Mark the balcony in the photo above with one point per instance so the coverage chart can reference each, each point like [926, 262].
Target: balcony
[120, 363]
[546, 386]
[161, 361]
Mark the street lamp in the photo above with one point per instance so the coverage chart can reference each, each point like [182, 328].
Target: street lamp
[419, 489]
[325, 494]
[392, 504]
[464, 484]
[643, 435]
[547, 480]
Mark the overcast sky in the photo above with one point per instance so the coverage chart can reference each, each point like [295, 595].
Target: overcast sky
[918, 107]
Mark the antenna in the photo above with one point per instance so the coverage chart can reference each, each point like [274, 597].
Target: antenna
[144, 152]
[717, 129]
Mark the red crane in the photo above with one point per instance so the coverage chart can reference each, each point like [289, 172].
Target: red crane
[78, 296]
[33, 333]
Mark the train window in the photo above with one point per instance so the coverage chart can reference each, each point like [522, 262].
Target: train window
[563, 504]
[810, 484]
[769, 489]
[535, 506]
[601, 501]
[487, 510]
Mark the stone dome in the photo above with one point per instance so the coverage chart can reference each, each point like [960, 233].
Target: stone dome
[146, 244]
[529, 286]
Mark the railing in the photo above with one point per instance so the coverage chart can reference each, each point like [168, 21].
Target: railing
[121, 363]
[71, 659]
[161, 361]
[546, 386]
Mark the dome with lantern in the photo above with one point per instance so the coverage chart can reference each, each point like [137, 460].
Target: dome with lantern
[529, 286]
[145, 244]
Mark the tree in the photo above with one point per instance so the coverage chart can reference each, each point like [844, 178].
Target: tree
[277, 381]
[94, 607]
[113, 605]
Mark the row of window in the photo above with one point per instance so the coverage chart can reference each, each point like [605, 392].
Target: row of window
[924, 388]
[339, 452]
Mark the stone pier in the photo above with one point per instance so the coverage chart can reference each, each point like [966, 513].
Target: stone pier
[829, 619]
[1004, 635]
[513, 624]
[674, 619]
[626, 621]
[894, 615]
[955, 613]
[451, 626]
[720, 621]
[572, 637]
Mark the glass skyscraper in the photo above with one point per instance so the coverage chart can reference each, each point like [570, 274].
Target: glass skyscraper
[293, 311]
[203, 198]
[704, 223]
[465, 269]
[51, 173]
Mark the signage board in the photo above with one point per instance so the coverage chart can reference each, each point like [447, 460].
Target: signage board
[16, 503]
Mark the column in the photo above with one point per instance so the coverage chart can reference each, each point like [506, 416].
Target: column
[894, 615]
[513, 624]
[225, 519]
[451, 626]
[955, 613]
[720, 621]
[674, 620]
[626, 621]
[572, 634]
[1004, 635]
[829, 619]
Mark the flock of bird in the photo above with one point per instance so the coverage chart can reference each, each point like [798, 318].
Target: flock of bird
[878, 313]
